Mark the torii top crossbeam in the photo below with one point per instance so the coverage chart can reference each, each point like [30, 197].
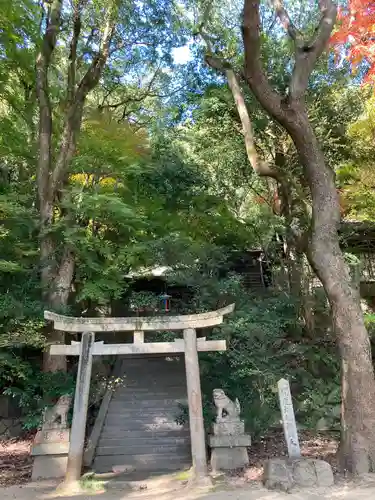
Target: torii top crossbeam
[182, 322]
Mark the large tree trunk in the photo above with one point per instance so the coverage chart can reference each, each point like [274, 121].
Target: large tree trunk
[326, 258]
[322, 248]
[58, 297]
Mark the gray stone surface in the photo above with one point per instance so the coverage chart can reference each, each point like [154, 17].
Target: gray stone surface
[243, 440]
[288, 419]
[139, 323]
[229, 458]
[324, 473]
[51, 445]
[48, 467]
[229, 428]
[51, 442]
[284, 474]
[50, 449]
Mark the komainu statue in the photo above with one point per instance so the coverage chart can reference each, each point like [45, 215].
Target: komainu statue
[56, 417]
[227, 410]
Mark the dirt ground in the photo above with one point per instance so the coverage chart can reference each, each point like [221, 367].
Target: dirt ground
[16, 465]
[361, 490]
[16, 462]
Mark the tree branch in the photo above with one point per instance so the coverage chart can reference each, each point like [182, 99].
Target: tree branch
[254, 72]
[91, 78]
[86, 48]
[146, 93]
[307, 53]
[43, 61]
[77, 25]
[74, 113]
[285, 20]
[260, 167]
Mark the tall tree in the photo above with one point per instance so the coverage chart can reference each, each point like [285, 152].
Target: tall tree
[55, 156]
[316, 230]
[86, 49]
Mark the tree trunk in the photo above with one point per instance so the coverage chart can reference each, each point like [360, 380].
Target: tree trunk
[58, 300]
[54, 363]
[323, 248]
[326, 258]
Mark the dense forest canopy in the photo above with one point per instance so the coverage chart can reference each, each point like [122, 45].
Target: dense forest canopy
[210, 139]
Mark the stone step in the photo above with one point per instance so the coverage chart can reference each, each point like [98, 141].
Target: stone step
[117, 408]
[110, 433]
[133, 362]
[146, 463]
[141, 426]
[151, 449]
[147, 433]
[139, 414]
[143, 441]
[151, 368]
[157, 392]
[152, 400]
[150, 387]
[145, 405]
[155, 375]
[133, 410]
[140, 430]
[139, 419]
[153, 395]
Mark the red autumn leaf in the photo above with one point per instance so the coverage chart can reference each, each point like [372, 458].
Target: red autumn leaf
[356, 34]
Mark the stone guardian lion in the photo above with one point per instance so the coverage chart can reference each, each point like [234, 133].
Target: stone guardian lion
[226, 408]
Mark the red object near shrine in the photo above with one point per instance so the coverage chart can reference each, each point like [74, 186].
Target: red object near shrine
[166, 300]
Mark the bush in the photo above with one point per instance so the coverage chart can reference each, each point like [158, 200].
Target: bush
[38, 391]
[265, 342]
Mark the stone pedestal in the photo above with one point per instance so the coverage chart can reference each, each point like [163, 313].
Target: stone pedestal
[229, 446]
[229, 428]
[50, 450]
[285, 473]
[229, 442]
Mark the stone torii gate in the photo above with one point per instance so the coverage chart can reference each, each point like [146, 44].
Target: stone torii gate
[87, 348]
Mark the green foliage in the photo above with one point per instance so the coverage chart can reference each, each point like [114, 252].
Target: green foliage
[356, 174]
[38, 391]
[144, 301]
[370, 324]
[259, 354]
[266, 343]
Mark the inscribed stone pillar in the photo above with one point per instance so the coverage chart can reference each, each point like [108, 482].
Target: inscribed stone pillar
[81, 399]
[198, 445]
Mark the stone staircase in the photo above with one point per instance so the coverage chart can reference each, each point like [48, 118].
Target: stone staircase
[139, 431]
